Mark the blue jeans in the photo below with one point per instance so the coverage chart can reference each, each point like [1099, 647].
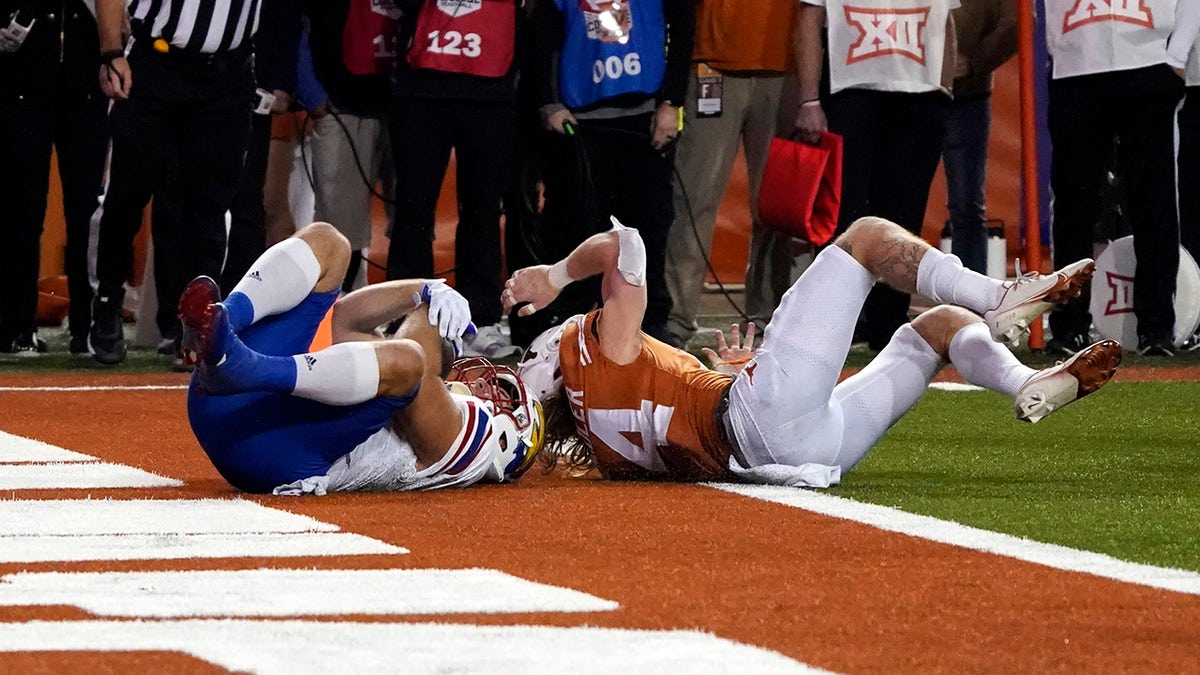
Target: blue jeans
[965, 155]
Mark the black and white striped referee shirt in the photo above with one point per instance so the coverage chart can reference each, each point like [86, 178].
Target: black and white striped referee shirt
[206, 26]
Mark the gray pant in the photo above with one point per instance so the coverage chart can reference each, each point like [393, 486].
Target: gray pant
[704, 160]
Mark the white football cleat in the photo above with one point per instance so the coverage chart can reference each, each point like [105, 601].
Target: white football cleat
[1052, 388]
[1028, 297]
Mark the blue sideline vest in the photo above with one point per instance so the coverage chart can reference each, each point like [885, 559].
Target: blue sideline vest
[611, 52]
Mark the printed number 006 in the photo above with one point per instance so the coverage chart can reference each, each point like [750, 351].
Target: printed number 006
[614, 67]
[455, 44]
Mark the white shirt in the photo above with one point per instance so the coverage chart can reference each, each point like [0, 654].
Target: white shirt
[1183, 50]
[1099, 36]
[886, 45]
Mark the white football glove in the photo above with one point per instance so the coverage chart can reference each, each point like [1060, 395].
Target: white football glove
[448, 310]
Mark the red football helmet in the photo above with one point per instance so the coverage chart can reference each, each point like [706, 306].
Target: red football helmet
[518, 423]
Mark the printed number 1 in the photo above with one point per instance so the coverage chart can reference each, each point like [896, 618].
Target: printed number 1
[456, 44]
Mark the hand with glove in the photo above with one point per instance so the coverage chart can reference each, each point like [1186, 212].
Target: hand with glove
[448, 310]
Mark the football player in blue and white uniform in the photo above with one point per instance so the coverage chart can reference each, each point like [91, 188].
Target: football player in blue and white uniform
[366, 413]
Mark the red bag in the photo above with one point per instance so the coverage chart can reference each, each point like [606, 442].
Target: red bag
[801, 191]
[473, 37]
[369, 37]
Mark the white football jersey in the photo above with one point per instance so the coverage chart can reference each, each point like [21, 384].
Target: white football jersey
[1099, 36]
[385, 462]
[886, 45]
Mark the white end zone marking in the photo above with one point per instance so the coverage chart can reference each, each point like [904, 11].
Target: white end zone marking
[15, 448]
[963, 536]
[58, 517]
[288, 647]
[155, 529]
[79, 475]
[293, 593]
[167, 546]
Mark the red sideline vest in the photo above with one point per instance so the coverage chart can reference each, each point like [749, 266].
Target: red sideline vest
[369, 38]
[473, 37]
[801, 191]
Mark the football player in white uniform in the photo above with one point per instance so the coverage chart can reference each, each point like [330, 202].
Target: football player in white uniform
[368, 412]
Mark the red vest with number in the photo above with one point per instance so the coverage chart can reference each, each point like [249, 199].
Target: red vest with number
[369, 38]
[473, 37]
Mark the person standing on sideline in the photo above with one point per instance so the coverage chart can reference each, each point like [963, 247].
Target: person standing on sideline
[743, 51]
[346, 92]
[1111, 79]
[887, 95]
[987, 37]
[463, 99]
[48, 99]
[190, 107]
[612, 78]
[1184, 57]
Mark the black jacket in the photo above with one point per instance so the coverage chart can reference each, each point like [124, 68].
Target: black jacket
[61, 54]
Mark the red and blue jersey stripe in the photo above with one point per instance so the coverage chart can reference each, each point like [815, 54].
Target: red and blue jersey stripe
[476, 432]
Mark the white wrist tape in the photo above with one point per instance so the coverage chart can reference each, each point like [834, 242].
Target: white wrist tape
[631, 255]
[558, 275]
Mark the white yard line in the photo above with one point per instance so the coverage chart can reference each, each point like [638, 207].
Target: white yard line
[963, 536]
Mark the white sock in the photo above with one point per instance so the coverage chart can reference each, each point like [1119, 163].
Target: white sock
[281, 277]
[942, 278]
[343, 374]
[984, 362]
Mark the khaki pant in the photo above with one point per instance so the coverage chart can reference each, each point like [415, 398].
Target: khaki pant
[751, 113]
[343, 198]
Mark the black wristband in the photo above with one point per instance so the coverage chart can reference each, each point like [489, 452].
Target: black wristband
[107, 57]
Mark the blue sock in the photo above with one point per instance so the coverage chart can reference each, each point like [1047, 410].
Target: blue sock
[241, 310]
[234, 368]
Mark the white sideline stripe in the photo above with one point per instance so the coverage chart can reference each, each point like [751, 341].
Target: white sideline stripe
[15, 448]
[287, 647]
[963, 536]
[954, 386]
[79, 475]
[293, 593]
[131, 387]
[148, 516]
[167, 546]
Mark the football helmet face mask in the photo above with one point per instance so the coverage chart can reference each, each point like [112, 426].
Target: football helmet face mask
[518, 423]
[539, 368]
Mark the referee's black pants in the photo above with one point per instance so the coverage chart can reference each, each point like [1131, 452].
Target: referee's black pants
[891, 146]
[74, 125]
[1085, 113]
[189, 121]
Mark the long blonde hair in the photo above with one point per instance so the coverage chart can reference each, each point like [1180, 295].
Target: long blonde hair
[563, 446]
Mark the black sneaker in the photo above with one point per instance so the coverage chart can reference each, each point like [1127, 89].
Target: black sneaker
[79, 345]
[1067, 344]
[28, 344]
[107, 338]
[1155, 346]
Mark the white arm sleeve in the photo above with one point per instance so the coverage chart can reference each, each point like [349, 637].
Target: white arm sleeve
[631, 256]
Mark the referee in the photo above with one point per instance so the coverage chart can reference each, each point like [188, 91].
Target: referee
[183, 91]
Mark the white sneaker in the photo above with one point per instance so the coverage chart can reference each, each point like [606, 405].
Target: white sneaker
[1052, 388]
[489, 342]
[1031, 295]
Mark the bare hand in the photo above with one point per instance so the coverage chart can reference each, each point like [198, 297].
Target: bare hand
[557, 120]
[730, 357]
[9, 42]
[1179, 71]
[665, 126]
[283, 101]
[116, 78]
[321, 110]
[532, 285]
[810, 123]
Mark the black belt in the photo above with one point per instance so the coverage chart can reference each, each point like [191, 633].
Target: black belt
[216, 62]
[725, 430]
